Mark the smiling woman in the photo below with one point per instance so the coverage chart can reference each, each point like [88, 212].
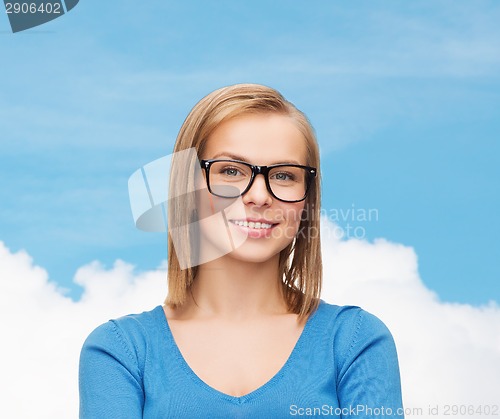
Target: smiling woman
[243, 331]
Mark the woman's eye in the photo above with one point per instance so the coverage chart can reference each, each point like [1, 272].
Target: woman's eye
[230, 171]
[284, 176]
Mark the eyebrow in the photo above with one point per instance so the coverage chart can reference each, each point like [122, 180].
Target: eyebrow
[241, 158]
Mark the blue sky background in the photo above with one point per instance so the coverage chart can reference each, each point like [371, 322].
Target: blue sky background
[404, 97]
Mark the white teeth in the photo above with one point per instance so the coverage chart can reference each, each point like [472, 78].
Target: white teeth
[252, 224]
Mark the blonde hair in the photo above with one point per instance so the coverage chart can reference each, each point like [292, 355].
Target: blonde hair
[300, 265]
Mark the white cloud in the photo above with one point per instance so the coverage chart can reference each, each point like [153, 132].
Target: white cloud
[449, 353]
[43, 331]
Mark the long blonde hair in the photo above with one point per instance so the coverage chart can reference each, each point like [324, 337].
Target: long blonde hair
[300, 265]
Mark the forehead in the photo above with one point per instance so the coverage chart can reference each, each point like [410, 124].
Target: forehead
[261, 139]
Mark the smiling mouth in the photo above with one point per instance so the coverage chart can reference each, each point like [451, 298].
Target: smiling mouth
[253, 224]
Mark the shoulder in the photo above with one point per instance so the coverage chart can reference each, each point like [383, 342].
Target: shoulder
[353, 329]
[126, 336]
[112, 365]
[350, 320]
[133, 325]
[365, 358]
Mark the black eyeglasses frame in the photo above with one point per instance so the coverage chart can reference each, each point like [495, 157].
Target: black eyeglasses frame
[259, 170]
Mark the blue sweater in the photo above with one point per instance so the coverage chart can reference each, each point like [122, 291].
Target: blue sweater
[343, 365]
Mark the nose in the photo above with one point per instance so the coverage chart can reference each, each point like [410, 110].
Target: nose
[258, 193]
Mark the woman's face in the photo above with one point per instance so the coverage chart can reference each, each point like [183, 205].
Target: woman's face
[259, 139]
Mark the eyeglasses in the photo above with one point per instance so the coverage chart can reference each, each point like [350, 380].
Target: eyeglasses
[233, 178]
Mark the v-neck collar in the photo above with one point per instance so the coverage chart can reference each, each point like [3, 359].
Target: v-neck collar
[254, 393]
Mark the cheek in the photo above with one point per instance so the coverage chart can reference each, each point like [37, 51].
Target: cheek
[295, 212]
[204, 199]
[291, 216]
[203, 204]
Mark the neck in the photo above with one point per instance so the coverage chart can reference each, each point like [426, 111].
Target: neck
[237, 290]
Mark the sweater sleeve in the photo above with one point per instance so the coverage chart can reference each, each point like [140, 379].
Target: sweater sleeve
[369, 383]
[110, 377]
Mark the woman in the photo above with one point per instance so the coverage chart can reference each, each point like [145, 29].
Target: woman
[243, 332]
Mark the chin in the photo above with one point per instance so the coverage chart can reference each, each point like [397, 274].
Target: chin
[256, 253]
[253, 258]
